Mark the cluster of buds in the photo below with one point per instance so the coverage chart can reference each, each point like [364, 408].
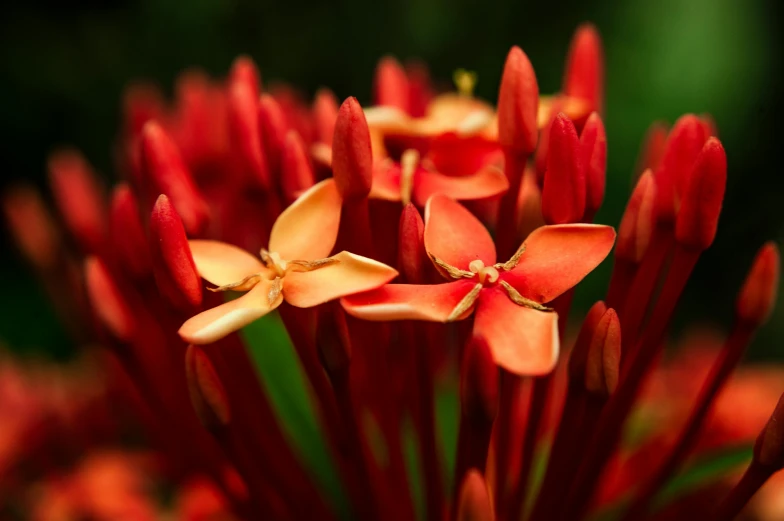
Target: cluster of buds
[427, 239]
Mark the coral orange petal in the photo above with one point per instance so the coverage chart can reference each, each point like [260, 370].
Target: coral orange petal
[350, 274]
[214, 324]
[523, 340]
[488, 182]
[557, 257]
[221, 263]
[454, 235]
[308, 229]
[386, 181]
[409, 302]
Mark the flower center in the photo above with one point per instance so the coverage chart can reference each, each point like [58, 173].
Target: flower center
[485, 273]
[273, 262]
[408, 165]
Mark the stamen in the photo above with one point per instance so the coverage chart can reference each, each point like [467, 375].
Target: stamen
[511, 263]
[274, 291]
[408, 164]
[465, 304]
[244, 285]
[520, 300]
[455, 273]
[465, 81]
[311, 265]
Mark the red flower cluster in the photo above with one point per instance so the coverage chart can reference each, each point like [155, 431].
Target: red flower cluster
[317, 190]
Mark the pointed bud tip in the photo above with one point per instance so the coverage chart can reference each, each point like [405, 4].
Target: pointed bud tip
[296, 171]
[391, 87]
[325, 113]
[579, 355]
[758, 294]
[584, 74]
[127, 232]
[352, 160]
[769, 447]
[207, 393]
[106, 300]
[638, 221]
[474, 503]
[518, 104]
[702, 198]
[412, 254]
[564, 190]
[593, 143]
[604, 356]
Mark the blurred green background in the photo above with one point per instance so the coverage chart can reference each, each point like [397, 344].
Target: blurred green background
[64, 65]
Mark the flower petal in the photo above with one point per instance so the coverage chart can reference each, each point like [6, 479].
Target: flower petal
[307, 229]
[454, 235]
[386, 181]
[351, 274]
[434, 302]
[221, 263]
[487, 182]
[556, 258]
[214, 324]
[523, 340]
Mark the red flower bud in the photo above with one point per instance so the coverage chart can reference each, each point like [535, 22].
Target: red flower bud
[166, 173]
[701, 204]
[518, 104]
[593, 142]
[141, 102]
[274, 128]
[652, 148]
[709, 126]
[479, 382]
[390, 86]
[584, 74]
[474, 503]
[106, 300]
[325, 113]
[680, 152]
[173, 266]
[243, 107]
[563, 194]
[420, 88]
[352, 160]
[79, 198]
[244, 71]
[604, 356]
[32, 226]
[769, 447]
[758, 294]
[579, 355]
[207, 393]
[296, 172]
[638, 221]
[412, 257]
[127, 233]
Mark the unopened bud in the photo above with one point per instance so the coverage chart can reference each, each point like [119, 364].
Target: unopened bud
[244, 127]
[296, 172]
[563, 194]
[604, 356]
[758, 294]
[584, 74]
[411, 251]
[638, 221]
[579, 355]
[207, 393]
[593, 144]
[390, 86]
[352, 160]
[518, 104]
[274, 128]
[325, 113]
[127, 233]
[474, 503]
[106, 300]
[32, 226]
[769, 447]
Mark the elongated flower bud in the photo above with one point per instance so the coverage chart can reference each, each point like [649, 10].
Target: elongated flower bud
[563, 194]
[141, 102]
[127, 233]
[681, 150]
[207, 393]
[652, 148]
[420, 88]
[244, 127]
[352, 160]
[173, 266]
[479, 382]
[604, 356]
[79, 198]
[702, 198]
[638, 221]
[584, 74]
[296, 172]
[32, 226]
[758, 294]
[412, 255]
[273, 131]
[166, 173]
[593, 144]
[769, 447]
[325, 113]
[579, 355]
[475, 503]
[106, 300]
[245, 71]
[390, 86]
[518, 104]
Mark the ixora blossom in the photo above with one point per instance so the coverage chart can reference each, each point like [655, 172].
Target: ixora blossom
[297, 268]
[509, 297]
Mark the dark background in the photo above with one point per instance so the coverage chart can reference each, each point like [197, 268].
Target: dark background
[64, 64]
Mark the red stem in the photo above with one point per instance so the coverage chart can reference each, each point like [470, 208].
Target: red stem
[506, 224]
[621, 281]
[753, 479]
